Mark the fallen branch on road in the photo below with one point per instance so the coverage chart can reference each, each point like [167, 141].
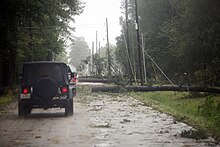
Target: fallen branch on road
[156, 88]
[93, 80]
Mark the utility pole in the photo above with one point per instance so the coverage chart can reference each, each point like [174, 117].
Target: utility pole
[127, 32]
[90, 62]
[139, 44]
[144, 64]
[92, 57]
[96, 42]
[108, 51]
[128, 42]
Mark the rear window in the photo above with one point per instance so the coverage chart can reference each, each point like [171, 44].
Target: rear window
[33, 72]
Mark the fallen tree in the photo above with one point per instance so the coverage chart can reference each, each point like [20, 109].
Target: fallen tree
[93, 80]
[155, 88]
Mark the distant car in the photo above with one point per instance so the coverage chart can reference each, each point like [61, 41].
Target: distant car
[45, 85]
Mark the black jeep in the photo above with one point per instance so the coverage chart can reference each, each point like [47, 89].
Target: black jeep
[45, 85]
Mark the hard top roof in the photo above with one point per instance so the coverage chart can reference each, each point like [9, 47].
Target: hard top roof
[45, 62]
[72, 68]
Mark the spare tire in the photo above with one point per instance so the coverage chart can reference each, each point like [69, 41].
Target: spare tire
[46, 88]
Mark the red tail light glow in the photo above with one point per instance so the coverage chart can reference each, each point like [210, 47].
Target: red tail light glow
[25, 91]
[64, 89]
[74, 80]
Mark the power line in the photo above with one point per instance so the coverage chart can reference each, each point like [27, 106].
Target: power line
[75, 25]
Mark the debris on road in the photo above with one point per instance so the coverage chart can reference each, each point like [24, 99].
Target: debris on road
[100, 120]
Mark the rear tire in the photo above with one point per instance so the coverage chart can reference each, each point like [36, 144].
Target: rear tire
[71, 108]
[19, 109]
[67, 109]
[23, 110]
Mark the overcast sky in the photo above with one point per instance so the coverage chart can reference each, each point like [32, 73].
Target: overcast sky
[94, 19]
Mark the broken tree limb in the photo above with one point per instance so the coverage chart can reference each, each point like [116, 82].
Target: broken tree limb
[94, 80]
[156, 88]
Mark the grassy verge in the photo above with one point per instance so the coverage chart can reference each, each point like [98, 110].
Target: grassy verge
[199, 110]
[6, 99]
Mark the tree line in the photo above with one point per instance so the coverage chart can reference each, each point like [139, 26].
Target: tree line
[182, 37]
[33, 30]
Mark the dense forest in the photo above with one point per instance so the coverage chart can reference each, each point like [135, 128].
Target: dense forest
[182, 37]
[33, 30]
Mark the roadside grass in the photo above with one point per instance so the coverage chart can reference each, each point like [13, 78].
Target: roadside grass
[6, 99]
[197, 109]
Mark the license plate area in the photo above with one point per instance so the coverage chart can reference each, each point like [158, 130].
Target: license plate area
[25, 96]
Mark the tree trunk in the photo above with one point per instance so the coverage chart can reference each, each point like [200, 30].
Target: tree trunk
[156, 88]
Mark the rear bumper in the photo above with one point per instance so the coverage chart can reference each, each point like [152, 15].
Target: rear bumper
[46, 104]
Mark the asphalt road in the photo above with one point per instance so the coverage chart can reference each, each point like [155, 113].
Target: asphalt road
[99, 120]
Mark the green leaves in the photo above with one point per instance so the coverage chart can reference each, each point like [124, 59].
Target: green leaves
[33, 30]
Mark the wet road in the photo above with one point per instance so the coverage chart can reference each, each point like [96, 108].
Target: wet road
[99, 120]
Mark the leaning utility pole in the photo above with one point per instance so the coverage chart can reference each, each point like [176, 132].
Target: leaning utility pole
[144, 63]
[108, 51]
[139, 44]
[128, 42]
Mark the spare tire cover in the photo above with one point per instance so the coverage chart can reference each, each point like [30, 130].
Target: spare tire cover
[46, 88]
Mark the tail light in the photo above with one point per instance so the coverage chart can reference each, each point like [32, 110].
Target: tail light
[25, 91]
[64, 89]
[74, 79]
